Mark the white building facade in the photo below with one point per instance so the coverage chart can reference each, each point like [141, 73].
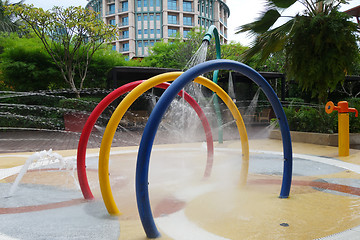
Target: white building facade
[144, 22]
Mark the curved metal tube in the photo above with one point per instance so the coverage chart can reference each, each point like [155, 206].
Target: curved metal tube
[142, 168]
[89, 125]
[116, 117]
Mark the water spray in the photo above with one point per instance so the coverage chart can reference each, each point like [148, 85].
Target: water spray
[212, 31]
[38, 159]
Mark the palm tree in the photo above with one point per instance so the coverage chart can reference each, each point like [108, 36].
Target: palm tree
[319, 44]
[8, 23]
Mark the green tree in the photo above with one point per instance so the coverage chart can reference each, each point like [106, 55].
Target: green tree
[7, 21]
[178, 52]
[103, 61]
[70, 35]
[320, 44]
[166, 55]
[26, 66]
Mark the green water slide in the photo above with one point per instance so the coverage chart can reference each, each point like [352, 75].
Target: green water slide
[212, 31]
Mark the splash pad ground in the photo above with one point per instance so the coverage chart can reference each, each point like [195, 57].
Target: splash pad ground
[324, 199]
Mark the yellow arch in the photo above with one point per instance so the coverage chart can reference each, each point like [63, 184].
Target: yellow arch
[119, 112]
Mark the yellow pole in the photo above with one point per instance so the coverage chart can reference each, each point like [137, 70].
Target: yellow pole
[343, 139]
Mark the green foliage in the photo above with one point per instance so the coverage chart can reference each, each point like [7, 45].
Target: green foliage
[102, 62]
[320, 43]
[178, 52]
[354, 122]
[70, 35]
[77, 104]
[274, 63]
[315, 119]
[8, 23]
[166, 55]
[27, 110]
[43, 110]
[232, 51]
[263, 23]
[26, 66]
[331, 37]
[281, 3]
[310, 119]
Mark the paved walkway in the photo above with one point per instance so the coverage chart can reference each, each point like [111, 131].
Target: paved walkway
[48, 205]
[38, 140]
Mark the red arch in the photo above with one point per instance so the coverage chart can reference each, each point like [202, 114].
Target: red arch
[89, 125]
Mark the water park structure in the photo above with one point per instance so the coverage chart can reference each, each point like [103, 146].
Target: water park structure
[239, 188]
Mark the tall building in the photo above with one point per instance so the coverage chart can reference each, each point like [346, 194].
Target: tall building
[144, 22]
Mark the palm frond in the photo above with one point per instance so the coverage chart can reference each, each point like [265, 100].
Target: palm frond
[280, 3]
[262, 24]
[270, 42]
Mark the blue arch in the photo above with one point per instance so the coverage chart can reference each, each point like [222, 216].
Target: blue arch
[147, 140]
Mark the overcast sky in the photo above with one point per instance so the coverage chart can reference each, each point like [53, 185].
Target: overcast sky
[241, 12]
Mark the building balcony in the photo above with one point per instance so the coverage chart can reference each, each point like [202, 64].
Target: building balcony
[124, 49]
[110, 12]
[123, 10]
[188, 9]
[121, 37]
[173, 8]
[123, 24]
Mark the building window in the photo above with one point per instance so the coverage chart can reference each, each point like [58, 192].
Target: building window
[187, 6]
[188, 21]
[158, 31]
[152, 43]
[111, 8]
[139, 3]
[145, 3]
[139, 17]
[139, 32]
[125, 34]
[113, 47]
[124, 6]
[151, 31]
[125, 47]
[139, 44]
[145, 32]
[145, 17]
[185, 33]
[172, 32]
[146, 44]
[125, 21]
[172, 4]
[172, 19]
[152, 3]
[112, 22]
[157, 17]
[151, 17]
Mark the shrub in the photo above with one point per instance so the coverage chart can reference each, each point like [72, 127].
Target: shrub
[26, 66]
[77, 104]
[354, 121]
[311, 119]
